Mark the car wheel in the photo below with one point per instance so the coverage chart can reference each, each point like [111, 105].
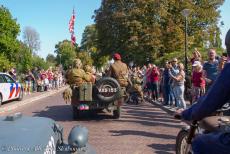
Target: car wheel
[20, 95]
[117, 113]
[0, 99]
[107, 90]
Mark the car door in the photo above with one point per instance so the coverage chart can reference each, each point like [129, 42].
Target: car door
[4, 88]
[10, 87]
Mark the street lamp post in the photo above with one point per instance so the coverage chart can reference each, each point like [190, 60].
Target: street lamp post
[186, 13]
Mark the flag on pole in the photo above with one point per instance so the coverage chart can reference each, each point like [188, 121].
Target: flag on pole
[71, 28]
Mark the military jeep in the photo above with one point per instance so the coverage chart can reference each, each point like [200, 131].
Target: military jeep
[38, 135]
[106, 93]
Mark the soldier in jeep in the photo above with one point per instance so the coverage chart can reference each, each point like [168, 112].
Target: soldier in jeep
[119, 71]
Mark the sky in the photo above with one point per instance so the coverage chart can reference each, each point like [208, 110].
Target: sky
[50, 18]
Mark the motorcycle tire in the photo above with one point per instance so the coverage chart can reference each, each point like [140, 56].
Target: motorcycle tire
[181, 143]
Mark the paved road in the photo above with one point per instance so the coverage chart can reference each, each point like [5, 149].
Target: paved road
[142, 129]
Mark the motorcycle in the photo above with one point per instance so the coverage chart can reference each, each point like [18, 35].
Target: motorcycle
[207, 125]
[134, 98]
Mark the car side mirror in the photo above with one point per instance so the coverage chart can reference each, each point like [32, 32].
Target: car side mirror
[78, 137]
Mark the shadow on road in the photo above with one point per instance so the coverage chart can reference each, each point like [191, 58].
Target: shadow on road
[57, 113]
[141, 133]
[146, 114]
[163, 148]
[64, 113]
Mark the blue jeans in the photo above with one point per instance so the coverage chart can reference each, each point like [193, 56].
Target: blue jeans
[213, 143]
[174, 95]
[168, 96]
[179, 95]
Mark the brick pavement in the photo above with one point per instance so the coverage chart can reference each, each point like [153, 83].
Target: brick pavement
[142, 129]
[27, 99]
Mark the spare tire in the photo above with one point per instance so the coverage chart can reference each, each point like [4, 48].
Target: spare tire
[107, 89]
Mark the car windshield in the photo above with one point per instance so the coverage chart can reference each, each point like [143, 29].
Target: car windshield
[9, 79]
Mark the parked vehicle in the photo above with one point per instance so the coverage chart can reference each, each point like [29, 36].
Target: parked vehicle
[106, 93]
[217, 122]
[9, 89]
[38, 135]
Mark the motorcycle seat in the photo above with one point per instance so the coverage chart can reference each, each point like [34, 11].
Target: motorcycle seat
[212, 123]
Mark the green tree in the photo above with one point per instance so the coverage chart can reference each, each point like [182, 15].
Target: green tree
[141, 29]
[9, 30]
[51, 58]
[65, 53]
[89, 38]
[39, 62]
[89, 43]
[24, 58]
[5, 64]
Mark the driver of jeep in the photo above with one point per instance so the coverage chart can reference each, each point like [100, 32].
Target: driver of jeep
[216, 97]
[119, 71]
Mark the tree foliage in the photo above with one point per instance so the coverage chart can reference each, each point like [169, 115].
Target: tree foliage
[65, 53]
[39, 62]
[9, 29]
[14, 53]
[89, 44]
[51, 58]
[24, 58]
[89, 38]
[141, 29]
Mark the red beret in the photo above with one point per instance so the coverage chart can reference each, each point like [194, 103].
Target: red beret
[117, 56]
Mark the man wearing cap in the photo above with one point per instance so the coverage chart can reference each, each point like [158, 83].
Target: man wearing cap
[211, 68]
[119, 71]
[216, 142]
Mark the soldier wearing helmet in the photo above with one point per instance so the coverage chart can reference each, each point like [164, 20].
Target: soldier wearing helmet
[74, 77]
[77, 74]
[119, 71]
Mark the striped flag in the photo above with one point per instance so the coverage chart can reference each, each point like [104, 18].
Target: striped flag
[71, 28]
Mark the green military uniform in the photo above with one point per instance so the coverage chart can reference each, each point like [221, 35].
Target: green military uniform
[136, 80]
[75, 78]
[119, 71]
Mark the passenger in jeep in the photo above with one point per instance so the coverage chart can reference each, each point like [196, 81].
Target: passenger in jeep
[75, 78]
[119, 71]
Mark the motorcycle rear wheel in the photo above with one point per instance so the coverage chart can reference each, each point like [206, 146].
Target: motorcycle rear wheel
[181, 144]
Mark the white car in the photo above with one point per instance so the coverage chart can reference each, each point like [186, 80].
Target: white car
[9, 89]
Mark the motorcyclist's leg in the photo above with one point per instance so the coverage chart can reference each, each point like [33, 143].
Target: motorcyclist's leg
[212, 143]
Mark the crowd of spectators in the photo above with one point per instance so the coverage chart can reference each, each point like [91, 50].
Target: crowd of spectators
[39, 80]
[167, 84]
